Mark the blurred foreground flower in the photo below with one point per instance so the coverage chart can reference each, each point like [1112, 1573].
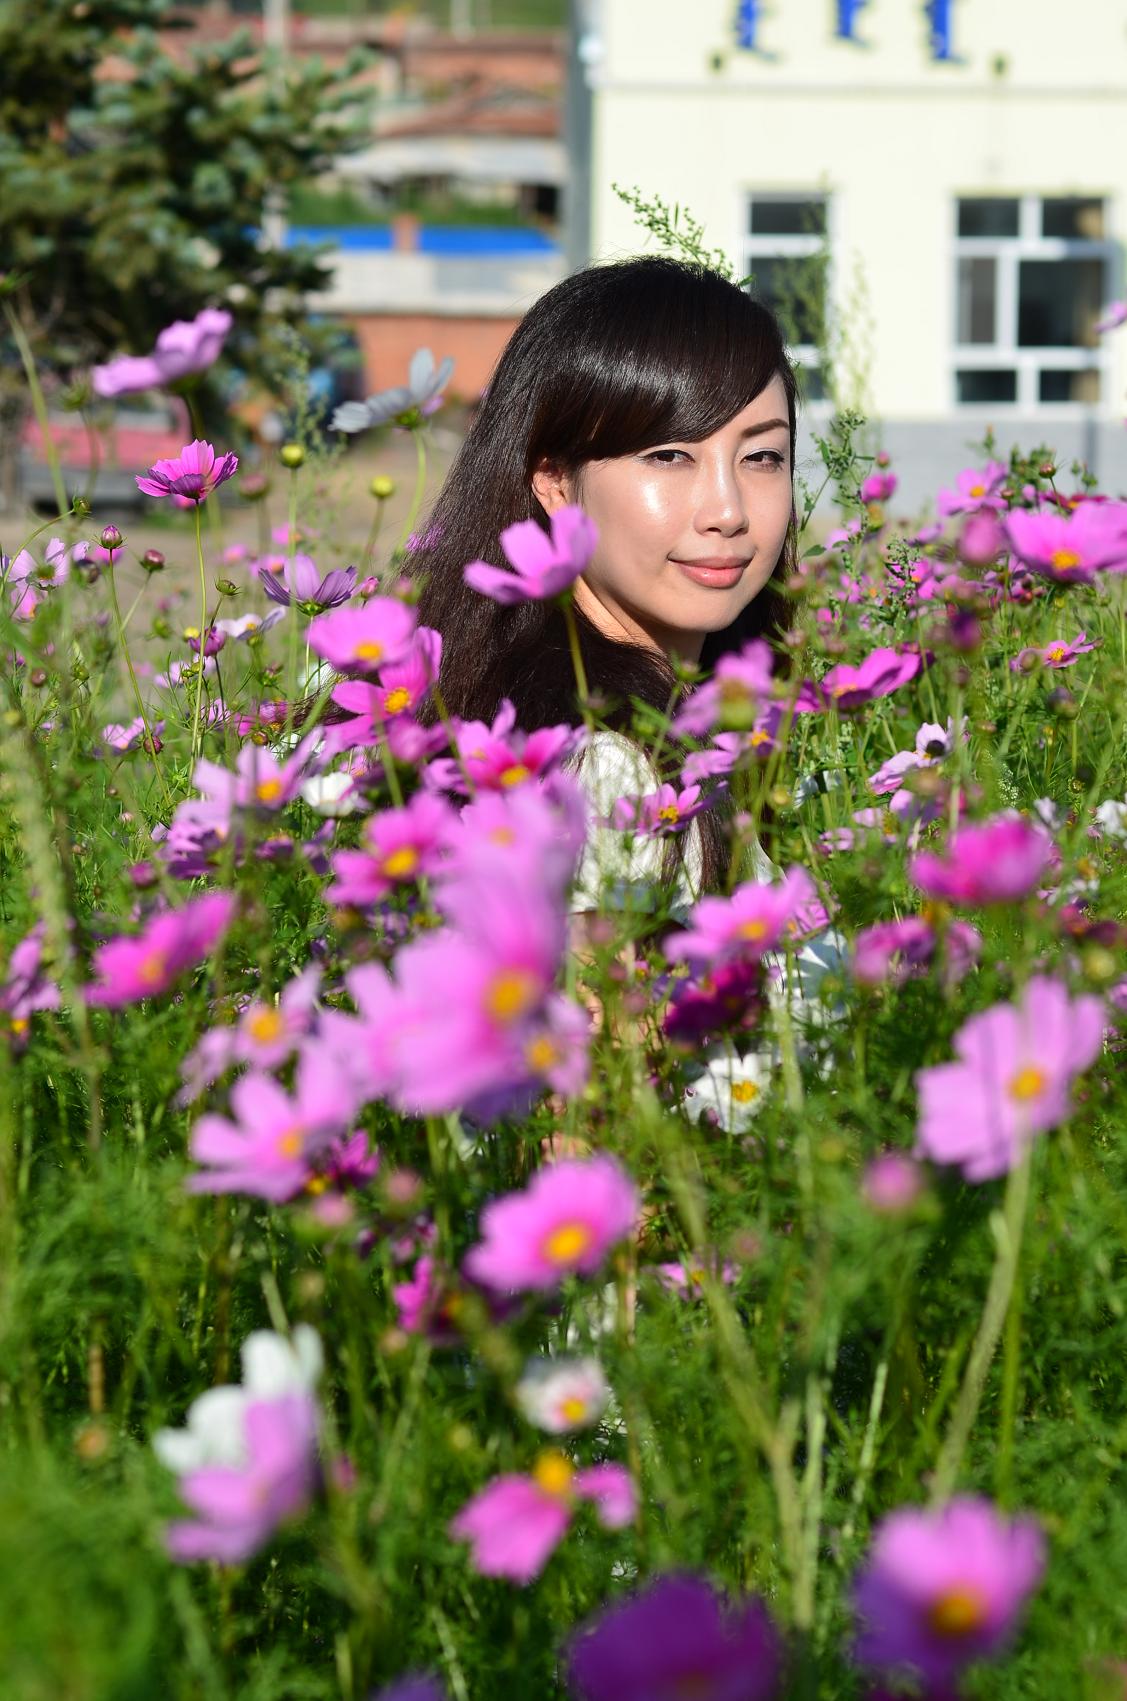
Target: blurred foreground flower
[944, 1588]
[517, 1522]
[543, 566]
[194, 473]
[564, 1223]
[996, 862]
[247, 1459]
[562, 1394]
[142, 967]
[1016, 1064]
[402, 405]
[679, 1637]
[182, 348]
[1070, 549]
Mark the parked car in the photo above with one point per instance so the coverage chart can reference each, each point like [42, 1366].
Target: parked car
[101, 455]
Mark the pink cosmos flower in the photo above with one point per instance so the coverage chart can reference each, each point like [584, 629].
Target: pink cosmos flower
[933, 743]
[1113, 315]
[659, 813]
[997, 862]
[182, 348]
[846, 687]
[401, 845]
[238, 1508]
[127, 738]
[300, 581]
[145, 966]
[361, 638]
[1012, 1079]
[1070, 549]
[497, 757]
[564, 1223]
[26, 987]
[1058, 652]
[517, 1522]
[194, 473]
[266, 1035]
[944, 1588]
[403, 686]
[982, 539]
[714, 763]
[757, 918]
[892, 1182]
[974, 490]
[895, 951]
[259, 781]
[678, 1637]
[273, 1147]
[734, 695]
[879, 486]
[544, 566]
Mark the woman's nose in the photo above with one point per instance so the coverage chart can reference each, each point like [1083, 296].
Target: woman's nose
[721, 505]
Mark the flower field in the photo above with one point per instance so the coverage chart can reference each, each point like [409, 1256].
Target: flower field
[408, 1289]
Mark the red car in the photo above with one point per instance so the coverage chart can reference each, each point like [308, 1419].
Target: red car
[101, 462]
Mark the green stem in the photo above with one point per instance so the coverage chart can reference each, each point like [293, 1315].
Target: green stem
[291, 554]
[39, 403]
[197, 725]
[416, 494]
[568, 608]
[373, 534]
[137, 698]
[1008, 1226]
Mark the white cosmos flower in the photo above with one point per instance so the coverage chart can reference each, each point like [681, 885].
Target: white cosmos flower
[562, 1394]
[425, 382]
[1112, 818]
[734, 1089]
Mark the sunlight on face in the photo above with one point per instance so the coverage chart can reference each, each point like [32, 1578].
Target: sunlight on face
[689, 533]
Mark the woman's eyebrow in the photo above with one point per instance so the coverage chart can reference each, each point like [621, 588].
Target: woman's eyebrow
[765, 425]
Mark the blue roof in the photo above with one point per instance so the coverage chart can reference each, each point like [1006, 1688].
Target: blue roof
[482, 240]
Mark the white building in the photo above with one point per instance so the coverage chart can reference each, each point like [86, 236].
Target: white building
[955, 171]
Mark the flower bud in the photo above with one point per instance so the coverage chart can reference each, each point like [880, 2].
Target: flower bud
[79, 506]
[111, 538]
[382, 487]
[227, 587]
[292, 455]
[152, 561]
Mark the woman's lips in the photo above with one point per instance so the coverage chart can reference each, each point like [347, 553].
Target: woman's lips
[718, 578]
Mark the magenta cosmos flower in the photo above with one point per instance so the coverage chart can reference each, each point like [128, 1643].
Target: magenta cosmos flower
[942, 1589]
[498, 757]
[973, 490]
[659, 813]
[846, 687]
[1070, 549]
[678, 1637]
[1012, 1079]
[995, 863]
[1058, 652]
[543, 566]
[195, 473]
[895, 951]
[517, 1522]
[732, 698]
[563, 1224]
[143, 967]
[364, 637]
[757, 918]
[400, 846]
[274, 1146]
[182, 348]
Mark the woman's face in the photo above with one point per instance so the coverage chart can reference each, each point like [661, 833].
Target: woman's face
[689, 533]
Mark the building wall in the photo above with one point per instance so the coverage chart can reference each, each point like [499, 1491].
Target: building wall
[1035, 103]
[388, 340]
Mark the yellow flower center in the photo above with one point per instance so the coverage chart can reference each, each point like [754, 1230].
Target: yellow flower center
[19, 1024]
[267, 790]
[744, 1091]
[957, 1612]
[1063, 559]
[733, 691]
[553, 1472]
[670, 813]
[503, 836]
[515, 774]
[153, 969]
[369, 650]
[1028, 1083]
[290, 1143]
[1056, 652]
[401, 864]
[977, 490]
[760, 737]
[510, 995]
[540, 1053]
[566, 1243]
[752, 930]
[396, 701]
[573, 1409]
[265, 1025]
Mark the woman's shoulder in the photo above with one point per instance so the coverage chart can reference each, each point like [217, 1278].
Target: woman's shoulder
[608, 765]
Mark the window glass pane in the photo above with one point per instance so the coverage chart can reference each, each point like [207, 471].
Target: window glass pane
[1058, 303]
[811, 384]
[1073, 216]
[1074, 386]
[986, 385]
[804, 216]
[978, 282]
[794, 287]
[985, 216]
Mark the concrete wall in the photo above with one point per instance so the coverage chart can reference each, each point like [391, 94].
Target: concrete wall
[388, 340]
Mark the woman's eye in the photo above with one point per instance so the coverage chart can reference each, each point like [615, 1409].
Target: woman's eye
[664, 457]
[769, 458]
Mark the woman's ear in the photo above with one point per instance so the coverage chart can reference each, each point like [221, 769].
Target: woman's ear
[551, 487]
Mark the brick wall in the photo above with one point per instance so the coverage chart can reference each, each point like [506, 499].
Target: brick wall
[388, 340]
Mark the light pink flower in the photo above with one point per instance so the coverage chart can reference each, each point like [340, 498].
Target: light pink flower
[892, 1182]
[194, 473]
[996, 862]
[361, 638]
[756, 918]
[1012, 1079]
[1058, 652]
[517, 1522]
[182, 348]
[974, 490]
[659, 813]
[734, 695]
[564, 1223]
[944, 1588]
[272, 1148]
[238, 1507]
[147, 965]
[1070, 549]
[544, 566]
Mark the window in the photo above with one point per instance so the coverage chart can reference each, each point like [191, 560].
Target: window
[1031, 275]
[785, 259]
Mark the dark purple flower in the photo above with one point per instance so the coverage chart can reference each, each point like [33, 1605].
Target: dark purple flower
[298, 580]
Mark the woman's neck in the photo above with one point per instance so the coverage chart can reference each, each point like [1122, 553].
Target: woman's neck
[629, 628]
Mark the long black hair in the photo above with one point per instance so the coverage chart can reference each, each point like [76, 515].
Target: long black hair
[610, 361]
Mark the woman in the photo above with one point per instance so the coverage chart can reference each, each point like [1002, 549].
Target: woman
[658, 397]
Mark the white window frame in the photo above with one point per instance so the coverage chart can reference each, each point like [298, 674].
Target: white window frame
[783, 247]
[1008, 252]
